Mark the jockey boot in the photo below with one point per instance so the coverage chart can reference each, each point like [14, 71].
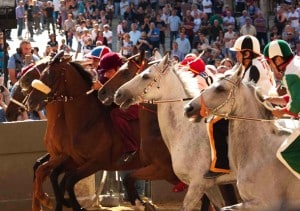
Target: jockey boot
[212, 175]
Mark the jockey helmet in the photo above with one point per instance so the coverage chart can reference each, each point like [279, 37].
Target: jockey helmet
[246, 42]
[110, 60]
[98, 52]
[277, 48]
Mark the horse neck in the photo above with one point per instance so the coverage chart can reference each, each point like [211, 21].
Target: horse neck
[249, 138]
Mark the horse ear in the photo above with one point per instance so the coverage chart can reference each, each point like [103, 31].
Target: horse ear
[57, 57]
[239, 71]
[157, 55]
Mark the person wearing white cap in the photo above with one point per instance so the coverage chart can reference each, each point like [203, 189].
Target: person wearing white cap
[256, 70]
[286, 67]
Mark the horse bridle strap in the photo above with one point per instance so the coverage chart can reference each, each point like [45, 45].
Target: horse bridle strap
[206, 111]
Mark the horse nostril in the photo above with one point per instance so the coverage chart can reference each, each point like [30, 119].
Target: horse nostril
[188, 108]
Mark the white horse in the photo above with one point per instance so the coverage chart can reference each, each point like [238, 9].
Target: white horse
[262, 180]
[187, 142]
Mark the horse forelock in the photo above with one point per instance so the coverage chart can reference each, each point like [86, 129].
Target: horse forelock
[188, 81]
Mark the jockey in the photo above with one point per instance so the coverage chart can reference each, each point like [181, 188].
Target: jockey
[257, 70]
[197, 66]
[286, 67]
[109, 65]
[96, 54]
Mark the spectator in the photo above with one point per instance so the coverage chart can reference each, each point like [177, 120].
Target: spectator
[248, 28]
[108, 34]
[53, 43]
[228, 38]
[201, 40]
[126, 46]
[218, 6]
[240, 5]
[184, 45]
[36, 13]
[188, 25]
[63, 46]
[280, 20]
[242, 19]
[144, 44]
[174, 25]
[35, 51]
[161, 25]
[20, 15]
[123, 5]
[100, 38]
[29, 16]
[260, 24]
[228, 20]
[207, 7]
[109, 8]
[134, 34]
[175, 52]
[20, 59]
[49, 10]
[153, 35]
[293, 16]
[214, 31]
[275, 34]
[4, 48]
[145, 26]
[69, 28]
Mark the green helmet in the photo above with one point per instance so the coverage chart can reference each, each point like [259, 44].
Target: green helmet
[277, 48]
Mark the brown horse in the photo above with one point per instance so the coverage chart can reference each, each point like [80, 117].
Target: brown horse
[79, 130]
[16, 105]
[153, 149]
[154, 153]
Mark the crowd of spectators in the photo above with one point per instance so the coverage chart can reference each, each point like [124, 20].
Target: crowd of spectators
[209, 27]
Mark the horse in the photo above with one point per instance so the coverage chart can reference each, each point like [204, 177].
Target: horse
[16, 105]
[79, 129]
[264, 183]
[187, 142]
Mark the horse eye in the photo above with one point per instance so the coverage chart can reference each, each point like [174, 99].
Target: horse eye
[145, 76]
[220, 88]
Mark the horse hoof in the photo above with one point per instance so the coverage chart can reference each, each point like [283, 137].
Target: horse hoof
[46, 202]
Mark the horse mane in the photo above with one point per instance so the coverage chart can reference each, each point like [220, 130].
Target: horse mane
[84, 74]
[266, 113]
[187, 79]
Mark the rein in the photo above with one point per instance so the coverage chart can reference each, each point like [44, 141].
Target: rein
[206, 111]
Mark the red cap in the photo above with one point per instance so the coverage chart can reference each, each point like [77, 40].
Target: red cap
[110, 60]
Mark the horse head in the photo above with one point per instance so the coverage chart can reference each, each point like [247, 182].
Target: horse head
[127, 71]
[142, 86]
[59, 82]
[217, 98]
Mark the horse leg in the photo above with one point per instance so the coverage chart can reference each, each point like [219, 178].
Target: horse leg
[73, 176]
[229, 194]
[36, 205]
[59, 189]
[41, 173]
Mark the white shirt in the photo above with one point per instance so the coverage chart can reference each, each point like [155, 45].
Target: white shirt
[108, 36]
[135, 36]
[206, 3]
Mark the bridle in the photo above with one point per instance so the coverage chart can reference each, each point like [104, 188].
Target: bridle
[156, 79]
[205, 111]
